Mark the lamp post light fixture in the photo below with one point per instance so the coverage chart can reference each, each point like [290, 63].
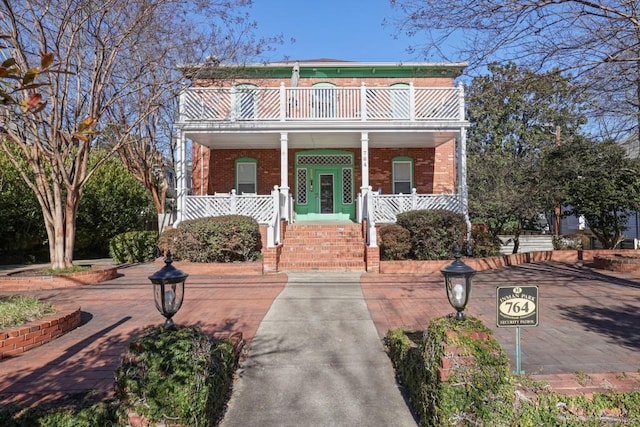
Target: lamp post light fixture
[168, 289]
[457, 280]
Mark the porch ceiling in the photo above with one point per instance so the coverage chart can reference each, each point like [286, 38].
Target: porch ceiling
[318, 140]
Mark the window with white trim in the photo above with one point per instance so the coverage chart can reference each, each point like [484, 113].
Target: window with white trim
[402, 173]
[246, 176]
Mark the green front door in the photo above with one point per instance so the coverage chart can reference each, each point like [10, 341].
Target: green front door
[324, 185]
[327, 194]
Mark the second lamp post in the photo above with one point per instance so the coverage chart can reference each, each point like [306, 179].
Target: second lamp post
[457, 279]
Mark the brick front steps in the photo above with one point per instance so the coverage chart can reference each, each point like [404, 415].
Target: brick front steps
[34, 334]
[97, 274]
[335, 247]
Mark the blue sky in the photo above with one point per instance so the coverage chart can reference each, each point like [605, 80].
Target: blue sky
[339, 29]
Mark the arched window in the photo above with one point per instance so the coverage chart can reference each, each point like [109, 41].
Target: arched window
[246, 175]
[402, 175]
[400, 101]
[246, 99]
[324, 100]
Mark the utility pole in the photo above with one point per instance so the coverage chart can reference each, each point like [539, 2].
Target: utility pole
[557, 209]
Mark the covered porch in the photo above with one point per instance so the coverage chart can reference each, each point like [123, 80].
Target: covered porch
[324, 176]
[349, 161]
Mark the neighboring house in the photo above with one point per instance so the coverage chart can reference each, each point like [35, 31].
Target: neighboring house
[333, 142]
[573, 224]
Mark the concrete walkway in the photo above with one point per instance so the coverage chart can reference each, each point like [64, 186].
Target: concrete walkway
[317, 360]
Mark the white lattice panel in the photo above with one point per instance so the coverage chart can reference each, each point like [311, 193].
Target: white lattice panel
[207, 104]
[439, 104]
[268, 104]
[387, 206]
[259, 207]
[256, 206]
[388, 103]
[205, 206]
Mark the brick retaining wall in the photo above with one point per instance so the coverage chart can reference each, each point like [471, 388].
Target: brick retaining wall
[617, 262]
[215, 268]
[489, 263]
[31, 283]
[34, 334]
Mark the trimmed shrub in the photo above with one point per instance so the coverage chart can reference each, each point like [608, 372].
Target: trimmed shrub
[75, 411]
[177, 376]
[166, 241]
[483, 244]
[395, 242]
[576, 241]
[479, 389]
[433, 233]
[485, 393]
[134, 246]
[225, 238]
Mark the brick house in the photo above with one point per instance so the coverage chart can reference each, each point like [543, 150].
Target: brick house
[321, 145]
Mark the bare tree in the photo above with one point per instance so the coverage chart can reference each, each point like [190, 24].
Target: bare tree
[149, 148]
[595, 41]
[117, 62]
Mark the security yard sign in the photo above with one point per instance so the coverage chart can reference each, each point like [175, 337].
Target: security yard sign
[517, 306]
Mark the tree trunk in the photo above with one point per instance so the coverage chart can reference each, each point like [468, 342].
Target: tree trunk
[71, 208]
[158, 198]
[59, 213]
[57, 256]
[516, 238]
[516, 243]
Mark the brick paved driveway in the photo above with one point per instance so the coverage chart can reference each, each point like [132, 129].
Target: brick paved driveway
[589, 322]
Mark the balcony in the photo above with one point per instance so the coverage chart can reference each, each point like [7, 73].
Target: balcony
[322, 104]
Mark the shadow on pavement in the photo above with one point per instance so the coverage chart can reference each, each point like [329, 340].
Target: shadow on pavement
[621, 324]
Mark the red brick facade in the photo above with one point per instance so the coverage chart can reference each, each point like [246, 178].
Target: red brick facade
[434, 168]
[339, 82]
[395, 130]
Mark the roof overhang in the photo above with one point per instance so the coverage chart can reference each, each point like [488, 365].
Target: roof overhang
[319, 139]
[324, 68]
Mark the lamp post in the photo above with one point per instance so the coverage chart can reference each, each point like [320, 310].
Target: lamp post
[457, 280]
[168, 290]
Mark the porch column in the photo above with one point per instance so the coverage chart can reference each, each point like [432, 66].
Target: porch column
[181, 177]
[364, 186]
[364, 151]
[461, 157]
[284, 175]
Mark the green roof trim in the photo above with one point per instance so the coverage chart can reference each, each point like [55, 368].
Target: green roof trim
[334, 70]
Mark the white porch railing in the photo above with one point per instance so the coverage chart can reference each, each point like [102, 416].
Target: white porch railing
[362, 103]
[265, 209]
[383, 208]
[269, 209]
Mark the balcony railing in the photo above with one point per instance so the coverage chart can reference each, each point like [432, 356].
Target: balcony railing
[323, 103]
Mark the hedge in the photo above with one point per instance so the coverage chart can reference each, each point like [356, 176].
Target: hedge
[225, 238]
[433, 233]
[134, 246]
